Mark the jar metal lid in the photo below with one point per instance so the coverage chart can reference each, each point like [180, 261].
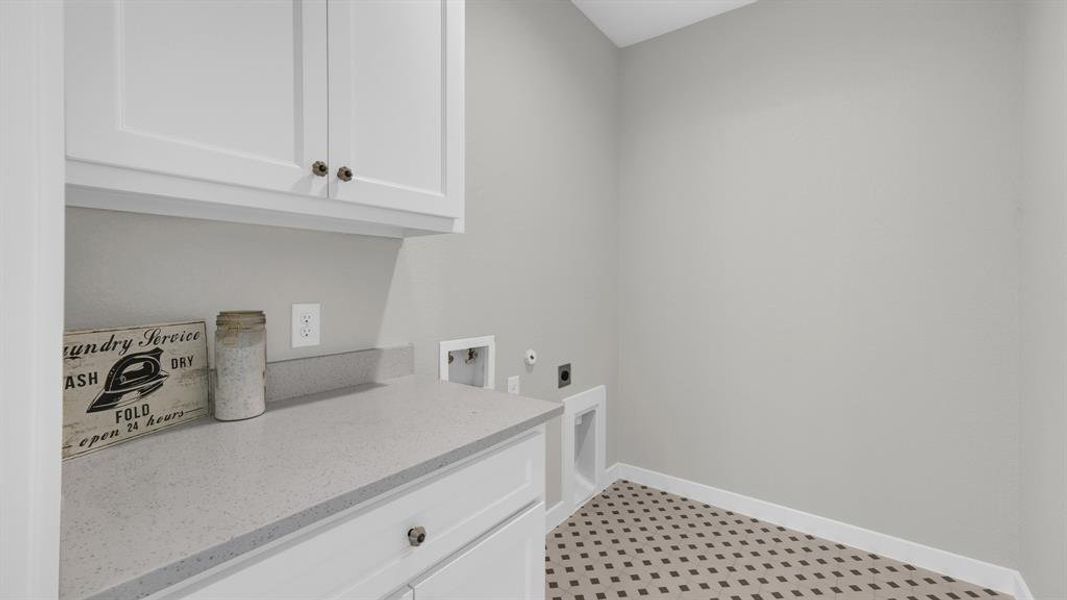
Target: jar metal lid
[243, 318]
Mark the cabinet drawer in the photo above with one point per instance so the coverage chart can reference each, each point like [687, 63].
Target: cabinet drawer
[366, 553]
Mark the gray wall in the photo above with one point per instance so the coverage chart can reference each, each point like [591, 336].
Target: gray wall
[819, 282]
[820, 256]
[537, 267]
[1044, 300]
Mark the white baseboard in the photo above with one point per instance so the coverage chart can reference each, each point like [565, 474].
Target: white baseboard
[1022, 591]
[995, 577]
[560, 512]
[556, 514]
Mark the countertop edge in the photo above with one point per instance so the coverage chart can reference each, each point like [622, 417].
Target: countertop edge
[177, 572]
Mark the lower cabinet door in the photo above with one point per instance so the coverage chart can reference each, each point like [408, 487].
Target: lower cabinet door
[509, 564]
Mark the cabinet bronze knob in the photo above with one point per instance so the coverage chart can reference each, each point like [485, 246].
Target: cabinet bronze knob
[319, 168]
[344, 174]
[416, 535]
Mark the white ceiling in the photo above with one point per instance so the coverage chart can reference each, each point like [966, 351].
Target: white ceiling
[627, 22]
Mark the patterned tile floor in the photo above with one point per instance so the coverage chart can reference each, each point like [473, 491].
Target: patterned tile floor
[633, 541]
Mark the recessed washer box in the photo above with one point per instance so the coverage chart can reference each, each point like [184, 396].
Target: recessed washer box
[469, 361]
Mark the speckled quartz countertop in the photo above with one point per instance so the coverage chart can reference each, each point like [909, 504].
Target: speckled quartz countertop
[147, 514]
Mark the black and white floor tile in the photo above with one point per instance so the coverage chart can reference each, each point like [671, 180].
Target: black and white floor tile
[633, 541]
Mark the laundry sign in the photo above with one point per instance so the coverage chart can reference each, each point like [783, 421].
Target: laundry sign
[121, 384]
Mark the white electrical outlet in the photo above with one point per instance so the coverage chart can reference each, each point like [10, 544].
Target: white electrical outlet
[513, 384]
[306, 325]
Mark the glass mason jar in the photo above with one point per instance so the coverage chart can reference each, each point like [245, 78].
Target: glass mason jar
[240, 364]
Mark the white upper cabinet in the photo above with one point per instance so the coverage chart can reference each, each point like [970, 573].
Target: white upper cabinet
[343, 115]
[396, 103]
[231, 92]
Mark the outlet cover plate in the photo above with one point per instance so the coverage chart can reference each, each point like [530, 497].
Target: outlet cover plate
[306, 325]
[564, 375]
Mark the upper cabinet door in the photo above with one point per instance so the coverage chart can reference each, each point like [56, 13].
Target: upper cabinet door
[227, 91]
[396, 104]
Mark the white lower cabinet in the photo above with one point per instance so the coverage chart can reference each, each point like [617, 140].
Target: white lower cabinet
[484, 526]
[507, 564]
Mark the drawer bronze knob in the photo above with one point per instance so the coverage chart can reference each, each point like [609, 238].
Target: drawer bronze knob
[344, 174]
[416, 535]
[319, 168]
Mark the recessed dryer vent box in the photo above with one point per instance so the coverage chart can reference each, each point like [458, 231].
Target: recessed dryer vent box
[469, 361]
[584, 446]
